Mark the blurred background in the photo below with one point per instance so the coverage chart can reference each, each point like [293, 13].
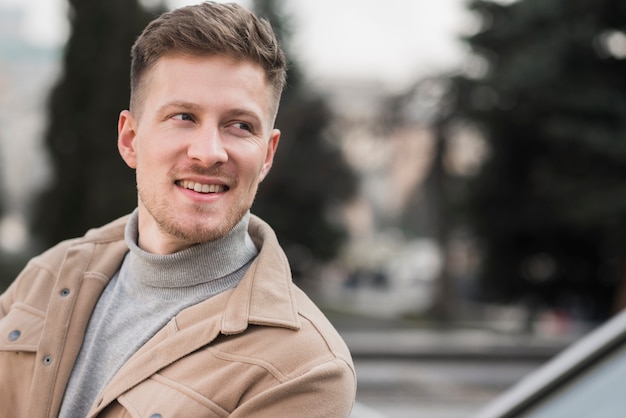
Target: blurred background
[449, 186]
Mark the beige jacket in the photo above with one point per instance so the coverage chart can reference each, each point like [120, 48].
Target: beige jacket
[260, 350]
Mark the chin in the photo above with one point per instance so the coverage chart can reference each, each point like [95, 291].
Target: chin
[206, 230]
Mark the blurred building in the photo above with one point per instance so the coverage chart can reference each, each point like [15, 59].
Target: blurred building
[391, 261]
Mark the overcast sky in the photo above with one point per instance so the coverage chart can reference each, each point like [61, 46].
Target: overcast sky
[391, 41]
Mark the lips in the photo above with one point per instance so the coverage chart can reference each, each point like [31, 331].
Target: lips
[200, 187]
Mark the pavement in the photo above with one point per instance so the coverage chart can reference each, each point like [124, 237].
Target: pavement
[437, 373]
[363, 411]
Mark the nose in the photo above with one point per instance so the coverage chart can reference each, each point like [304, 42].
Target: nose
[207, 147]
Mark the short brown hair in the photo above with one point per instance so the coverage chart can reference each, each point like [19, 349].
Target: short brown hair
[209, 29]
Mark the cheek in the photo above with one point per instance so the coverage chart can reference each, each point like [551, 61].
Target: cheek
[151, 156]
[147, 170]
[254, 174]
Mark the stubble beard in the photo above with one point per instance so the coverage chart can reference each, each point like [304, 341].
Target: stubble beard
[192, 232]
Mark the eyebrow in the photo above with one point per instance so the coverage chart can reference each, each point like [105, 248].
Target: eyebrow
[180, 104]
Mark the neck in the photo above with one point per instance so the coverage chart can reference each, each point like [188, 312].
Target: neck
[194, 265]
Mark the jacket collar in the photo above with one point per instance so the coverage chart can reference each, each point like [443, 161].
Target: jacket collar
[265, 294]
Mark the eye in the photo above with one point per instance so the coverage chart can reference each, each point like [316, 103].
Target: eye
[243, 126]
[184, 117]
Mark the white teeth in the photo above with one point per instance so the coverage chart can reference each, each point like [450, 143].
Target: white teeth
[201, 188]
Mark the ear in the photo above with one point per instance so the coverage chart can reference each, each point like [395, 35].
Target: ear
[271, 151]
[126, 135]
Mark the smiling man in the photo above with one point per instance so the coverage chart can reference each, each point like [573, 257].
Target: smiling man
[185, 307]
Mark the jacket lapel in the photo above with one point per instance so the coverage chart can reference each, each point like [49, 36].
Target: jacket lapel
[190, 330]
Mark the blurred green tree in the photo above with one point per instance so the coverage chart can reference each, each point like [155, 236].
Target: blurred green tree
[310, 176]
[92, 185]
[547, 89]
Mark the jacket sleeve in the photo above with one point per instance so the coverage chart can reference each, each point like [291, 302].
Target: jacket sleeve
[32, 287]
[34, 283]
[327, 390]
[10, 294]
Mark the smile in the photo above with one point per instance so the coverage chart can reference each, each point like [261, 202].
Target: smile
[201, 188]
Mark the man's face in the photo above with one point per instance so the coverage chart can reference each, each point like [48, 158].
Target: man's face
[201, 143]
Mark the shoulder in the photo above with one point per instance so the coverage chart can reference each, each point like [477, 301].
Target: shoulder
[320, 327]
[52, 258]
[291, 351]
[37, 278]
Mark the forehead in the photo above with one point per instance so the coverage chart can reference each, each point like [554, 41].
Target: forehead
[205, 79]
[210, 71]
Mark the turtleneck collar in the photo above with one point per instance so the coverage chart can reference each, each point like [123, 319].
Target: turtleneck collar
[195, 265]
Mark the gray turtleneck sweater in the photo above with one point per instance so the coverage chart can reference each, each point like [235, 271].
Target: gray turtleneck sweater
[142, 297]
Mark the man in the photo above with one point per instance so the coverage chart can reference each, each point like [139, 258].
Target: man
[186, 307]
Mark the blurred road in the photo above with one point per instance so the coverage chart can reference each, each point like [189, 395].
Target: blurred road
[407, 371]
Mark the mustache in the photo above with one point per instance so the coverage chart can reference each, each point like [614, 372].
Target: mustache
[200, 170]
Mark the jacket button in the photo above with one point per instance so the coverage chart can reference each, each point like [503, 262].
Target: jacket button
[47, 360]
[14, 335]
[65, 292]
